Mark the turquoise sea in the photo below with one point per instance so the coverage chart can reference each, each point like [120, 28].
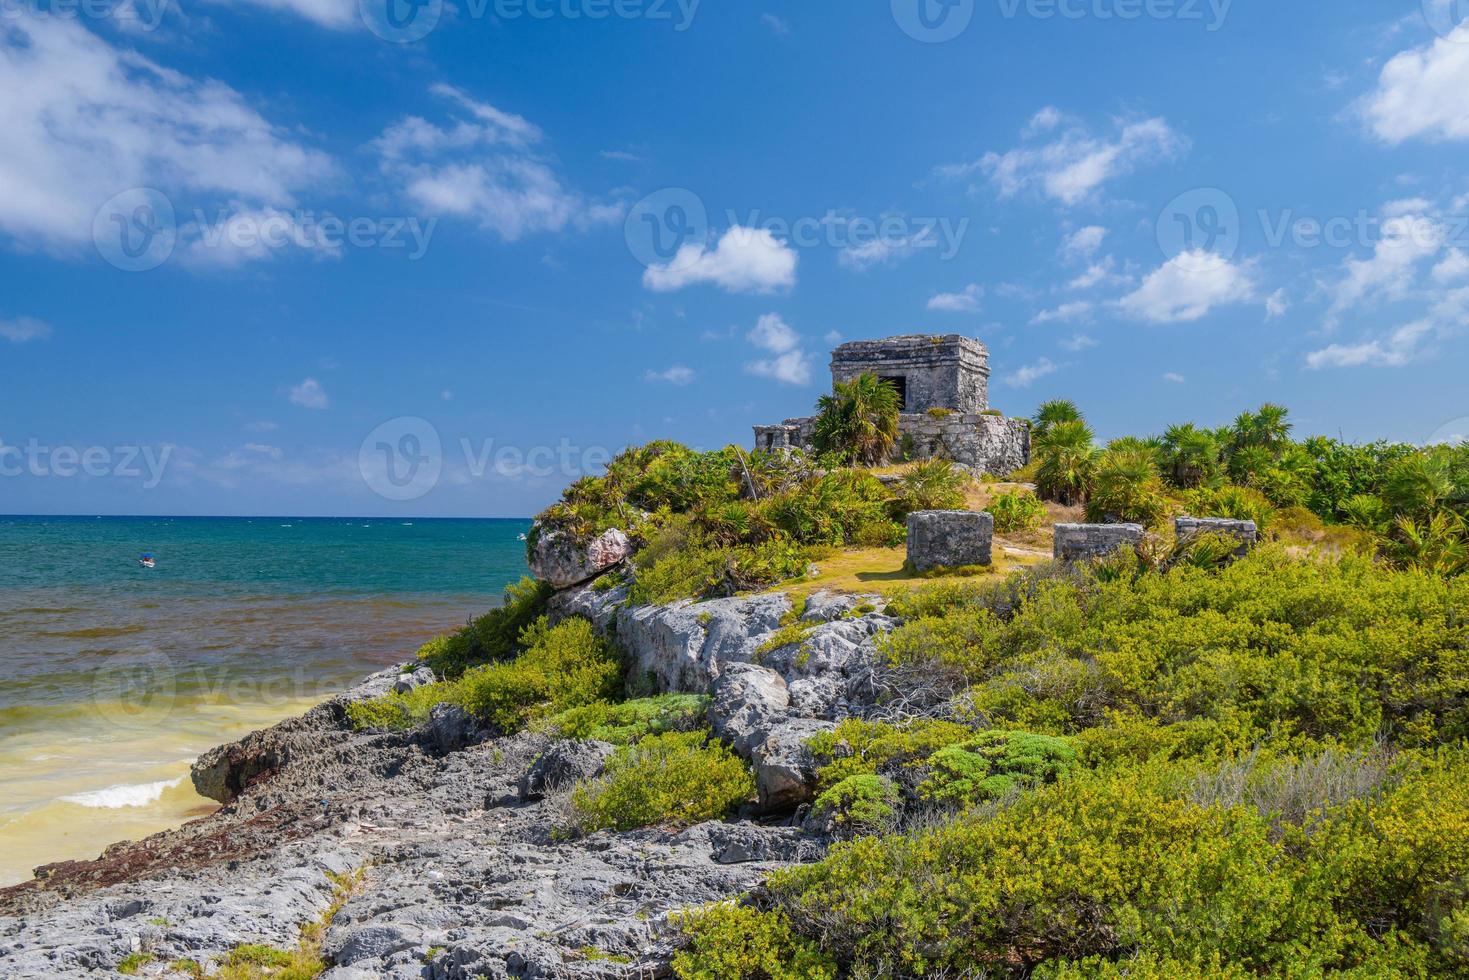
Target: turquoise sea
[113, 677]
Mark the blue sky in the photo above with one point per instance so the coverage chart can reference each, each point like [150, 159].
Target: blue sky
[331, 257]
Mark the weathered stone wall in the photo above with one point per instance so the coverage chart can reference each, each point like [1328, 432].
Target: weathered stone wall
[949, 539]
[1188, 528]
[983, 443]
[949, 371]
[1075, 542]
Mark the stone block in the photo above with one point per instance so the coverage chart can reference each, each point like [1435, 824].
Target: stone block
[1077, 542]
[1188, 528]
[949, 538]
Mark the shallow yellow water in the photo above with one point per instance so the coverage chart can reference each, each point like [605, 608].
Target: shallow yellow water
[116, 771]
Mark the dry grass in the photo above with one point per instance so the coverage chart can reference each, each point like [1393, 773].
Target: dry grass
[867, 571]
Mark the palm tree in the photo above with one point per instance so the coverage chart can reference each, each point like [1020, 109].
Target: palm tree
[1067, 456]
[1190, 455]
[858, 421]
[1051, 413]
[1419, 485]
[1126, 486]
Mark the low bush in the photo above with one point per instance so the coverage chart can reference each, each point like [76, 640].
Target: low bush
[564, 666]
[992, 765]
[400, 712]
[675, 778]
[631, 721]
[1015, 511]
[859, 805]
[489, 637]
[733, 942]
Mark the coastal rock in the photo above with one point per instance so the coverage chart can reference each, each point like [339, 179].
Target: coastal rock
[785, 770]
[748, 701]
[415, 679]
[562, 561]
[451, 728]
[562, 764]
[828, 671]
[683, 646]
[590, 601]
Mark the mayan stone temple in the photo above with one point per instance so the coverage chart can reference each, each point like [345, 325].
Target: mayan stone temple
[943, 390]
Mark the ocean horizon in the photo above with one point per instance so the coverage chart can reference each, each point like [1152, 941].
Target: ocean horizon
[115, 677]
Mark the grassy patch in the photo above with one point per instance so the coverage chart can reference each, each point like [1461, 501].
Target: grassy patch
[679, 778]
[133, 962]
[881, 571]
[630, 721]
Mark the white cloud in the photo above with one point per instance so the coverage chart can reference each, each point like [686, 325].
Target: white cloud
[1064, 313]
[1073, 166]
[832, 337]
[1187, 287]
[966, 301]
[788, 363]
[309, 394]
[1174, 377]
[1453, 268]
[446, 395]
[1396, 350]
[23, 329]
[1079, 342]
[877, 251]
[334, 14]
[250, 234]
[1098, 273]
[675, 375]
[86, 120]
[774, 334]
[484, 168]
[1029, 373]
[1276, 304]
[1083, 242]
[262, 449]
[746, 260]
[1423, 92]
[1045, 120]
[775, 24]
[1406, 240]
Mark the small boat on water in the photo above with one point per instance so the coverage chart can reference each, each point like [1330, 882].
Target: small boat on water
[146, 560]
[521, 537]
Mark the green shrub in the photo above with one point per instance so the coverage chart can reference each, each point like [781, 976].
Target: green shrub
[858, 748]
[859, 804]
[564, 666]
[674, 778]
[858, 421]
[934, 484]
[994, 764]
[1126, 488]
[689, 574]
[400, 712]
[1238, 503]
[489, 637]
[631, 721]
[1016, 510]
[733, 942]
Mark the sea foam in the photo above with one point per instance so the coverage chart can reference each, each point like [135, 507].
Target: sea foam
[123, 794]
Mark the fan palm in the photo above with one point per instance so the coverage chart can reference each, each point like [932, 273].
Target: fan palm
[1190, 455]
[858, 421]
[1067, 455]
[1052, 413]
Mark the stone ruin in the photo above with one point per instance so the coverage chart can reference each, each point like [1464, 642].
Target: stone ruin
[943, 392]
[949, 539]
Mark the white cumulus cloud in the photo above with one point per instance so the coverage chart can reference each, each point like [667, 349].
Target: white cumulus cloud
[1028, 374]
[746, 260]
[23, 329]
[678, 374]
[309, 394]
[787, 363]
[1187, 287]
[1423, 92]
[964, 301]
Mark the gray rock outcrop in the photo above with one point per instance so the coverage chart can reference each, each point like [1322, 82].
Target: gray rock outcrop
[560, 560]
